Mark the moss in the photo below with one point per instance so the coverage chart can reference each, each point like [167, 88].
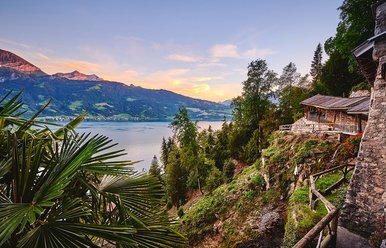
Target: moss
[300, 196]
[327, 180]
[305, 218]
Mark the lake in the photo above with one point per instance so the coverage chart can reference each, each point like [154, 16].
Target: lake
[141, 140]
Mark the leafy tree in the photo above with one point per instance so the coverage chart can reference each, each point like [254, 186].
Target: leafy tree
[290, 108]
[289, 77]
[155, 169]
[250, 107]
[316, 64]
[184, 129]
[63, 189]
[356, 25]
[336, 79]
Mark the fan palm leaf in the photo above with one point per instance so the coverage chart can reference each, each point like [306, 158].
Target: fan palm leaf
[64, 189]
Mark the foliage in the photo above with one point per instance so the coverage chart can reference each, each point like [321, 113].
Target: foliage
[64, 189]
[175, 178]
[289, 76]
[228, 170]
[290, 108]
[305, 151]
[155, 169]
[250, 107]
[341, 73]
[356, 25]
[213, 180]
[316, 64]
[350, 148]
[336, 78]
[361, 86]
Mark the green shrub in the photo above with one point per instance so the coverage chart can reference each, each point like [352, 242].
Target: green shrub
[361, 86]
[257, 183]
[228, 170]
[213, 180]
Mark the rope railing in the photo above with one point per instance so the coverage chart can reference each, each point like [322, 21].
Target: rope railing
[326, 228]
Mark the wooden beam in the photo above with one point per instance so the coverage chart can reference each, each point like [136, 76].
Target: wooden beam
[311, 235]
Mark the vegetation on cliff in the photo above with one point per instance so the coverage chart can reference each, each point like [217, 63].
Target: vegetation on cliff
[267, 203]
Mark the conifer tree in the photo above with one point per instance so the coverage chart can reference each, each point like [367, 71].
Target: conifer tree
[155, 169]
[316, 64]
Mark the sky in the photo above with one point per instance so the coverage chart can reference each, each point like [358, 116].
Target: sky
[197, 48]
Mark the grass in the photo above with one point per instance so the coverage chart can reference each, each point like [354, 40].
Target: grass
[305, 217]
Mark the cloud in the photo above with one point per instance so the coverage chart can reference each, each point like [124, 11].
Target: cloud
[219, 51]
[82, 66]
[182, 58]
[203, 79]
[224, 51]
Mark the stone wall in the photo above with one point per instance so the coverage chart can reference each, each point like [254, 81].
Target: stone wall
[364, 210]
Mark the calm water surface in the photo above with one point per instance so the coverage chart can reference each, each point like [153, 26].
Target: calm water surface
[141, 140]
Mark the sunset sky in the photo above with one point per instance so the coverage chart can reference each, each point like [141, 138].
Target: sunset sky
[197, 48]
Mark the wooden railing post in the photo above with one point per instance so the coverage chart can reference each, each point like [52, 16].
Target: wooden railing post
[334, 229]
[331, 219]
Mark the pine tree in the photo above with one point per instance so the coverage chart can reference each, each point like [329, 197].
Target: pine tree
[316, 64]
[164, 153]
[155, 169]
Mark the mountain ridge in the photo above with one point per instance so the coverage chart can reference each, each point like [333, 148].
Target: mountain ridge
[73, 93]
[12, 61]
[76, 75]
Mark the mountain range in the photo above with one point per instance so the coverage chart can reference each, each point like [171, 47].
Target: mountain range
[75, 92]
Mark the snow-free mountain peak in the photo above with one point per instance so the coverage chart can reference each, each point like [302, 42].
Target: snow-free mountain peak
[11, 61]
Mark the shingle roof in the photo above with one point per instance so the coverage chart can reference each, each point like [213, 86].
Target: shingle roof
[361, 108]
[334, 102]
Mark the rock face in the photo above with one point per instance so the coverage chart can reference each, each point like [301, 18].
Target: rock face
[14, 62]
[75, 75]
[364, 210]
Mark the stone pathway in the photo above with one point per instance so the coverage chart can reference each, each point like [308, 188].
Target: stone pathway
[347, 239]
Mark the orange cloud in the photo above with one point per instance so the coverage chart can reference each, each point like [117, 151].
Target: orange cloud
[82, 66]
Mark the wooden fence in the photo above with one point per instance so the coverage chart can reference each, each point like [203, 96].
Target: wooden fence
[326, 228]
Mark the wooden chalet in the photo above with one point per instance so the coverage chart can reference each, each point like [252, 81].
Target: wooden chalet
[337, 113]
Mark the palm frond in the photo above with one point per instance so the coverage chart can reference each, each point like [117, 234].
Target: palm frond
[15, 216]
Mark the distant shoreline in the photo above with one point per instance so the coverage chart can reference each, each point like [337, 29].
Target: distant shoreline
[114, 119]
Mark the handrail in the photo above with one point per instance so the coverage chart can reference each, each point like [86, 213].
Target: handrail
[331, 219]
